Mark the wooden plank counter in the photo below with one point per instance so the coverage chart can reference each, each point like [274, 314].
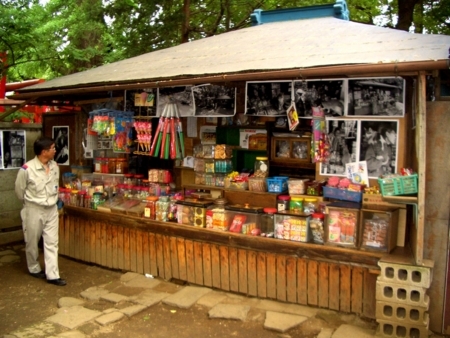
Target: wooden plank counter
[328, 277]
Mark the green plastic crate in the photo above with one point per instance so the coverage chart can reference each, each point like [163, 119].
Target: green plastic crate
[401, 185]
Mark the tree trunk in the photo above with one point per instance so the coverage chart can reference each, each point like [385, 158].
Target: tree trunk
[406, 13]
[185, 24]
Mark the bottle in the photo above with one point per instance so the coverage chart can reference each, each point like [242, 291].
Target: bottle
[296, 205]
[267, 222]
[150, 207]
[283, 202]
[316, 226]
[310, 205]
[261, 167]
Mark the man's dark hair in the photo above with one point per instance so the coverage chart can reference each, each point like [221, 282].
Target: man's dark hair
[42, 143]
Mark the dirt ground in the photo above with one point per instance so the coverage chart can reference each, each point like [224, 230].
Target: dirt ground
[25, 301]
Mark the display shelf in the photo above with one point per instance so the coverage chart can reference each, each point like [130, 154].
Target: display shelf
[410, 200]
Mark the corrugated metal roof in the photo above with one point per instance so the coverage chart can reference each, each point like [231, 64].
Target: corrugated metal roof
[273, 46]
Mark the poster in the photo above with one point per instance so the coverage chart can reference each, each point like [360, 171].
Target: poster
[61, 136]
[268, 98]
[213, 100]
[181, 95]
[12, 144]
[357, 172]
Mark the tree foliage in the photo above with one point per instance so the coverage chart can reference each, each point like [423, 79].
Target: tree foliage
[61, 37]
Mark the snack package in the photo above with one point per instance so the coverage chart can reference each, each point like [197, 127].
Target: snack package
[236, 224]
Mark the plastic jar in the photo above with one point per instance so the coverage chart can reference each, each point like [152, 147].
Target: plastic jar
[162, 208]
[87, 201]
[74, 198]
[150, 207]
[261, 167]
[80, 198]
[112, 161]
[309, 205]
[96, 200]
[316, 226]
[129, 179]
[296, 204]
[219, 219]
[283, 202]
[121, 166]
[98, 165]
[267, 222]
[139, 178]
[105, 165]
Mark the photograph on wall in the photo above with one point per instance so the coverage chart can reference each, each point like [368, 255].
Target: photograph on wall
[13, 149]
[268, 98]
[378, 146]
[213, 100]
[343, 146]
[376, 97]
[329, 94]
[181, 95]
[61, 136]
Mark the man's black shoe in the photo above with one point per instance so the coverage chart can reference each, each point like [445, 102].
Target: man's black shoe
[59, 281]
[40, 275]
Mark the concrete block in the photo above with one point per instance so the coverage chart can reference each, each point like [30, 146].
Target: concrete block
[418, 276]
[394, 329]
[402, 313]
[403, 294]
[186, 297]
[109, 318]
[282, 322]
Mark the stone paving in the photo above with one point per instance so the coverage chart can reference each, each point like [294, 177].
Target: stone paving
[71, 314]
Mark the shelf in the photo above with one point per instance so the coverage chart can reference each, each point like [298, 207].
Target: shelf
[201, 187]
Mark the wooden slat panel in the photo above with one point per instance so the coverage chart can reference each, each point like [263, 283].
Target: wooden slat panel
[242, 258]
[120, 248]
[323, 284]
[312, 283]
[72, 238]
[262, 276]
[174, 257]
[190, 261]
[345, 287]
[182, 269]
[167, 258]
[87, 242]
[369, 294]
[357, 290]
[251, 268]
[302, 281]
[67, 234]
[215, 264]
[281, 278]
[234, 269]
[146, 253]
[291, 279]
[98, 243]
[103, 244]
[126, 249]
[93, 242]
[334, 273]
[160, 255]
[81, 239]
[115, 262]
[153, 254]
[139, 252]
[207, 272]
[198, 260]
[271, 276]
[76, 240]
[133, 247]
[109, 248]
[224, 268]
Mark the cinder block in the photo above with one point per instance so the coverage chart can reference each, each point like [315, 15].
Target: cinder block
[402, 313]
[393, 329]
[405, 274]
[402, 294]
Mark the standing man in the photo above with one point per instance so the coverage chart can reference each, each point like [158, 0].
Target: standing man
[37, 186]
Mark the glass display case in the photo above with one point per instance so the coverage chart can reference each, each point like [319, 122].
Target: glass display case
[291, 149]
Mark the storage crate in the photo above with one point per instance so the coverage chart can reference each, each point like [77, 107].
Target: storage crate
[400, 185]
[277, 184]
[297, 186]
[342, 194]
[379, 229]
[257, 184]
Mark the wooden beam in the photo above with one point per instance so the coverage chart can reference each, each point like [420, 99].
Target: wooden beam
[421, 155]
